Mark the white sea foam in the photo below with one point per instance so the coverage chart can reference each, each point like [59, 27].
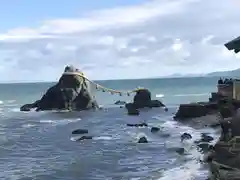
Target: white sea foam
[159, 95]
[192, 168]
[183, 95]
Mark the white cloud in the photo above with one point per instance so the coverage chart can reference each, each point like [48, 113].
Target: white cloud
[158, 38]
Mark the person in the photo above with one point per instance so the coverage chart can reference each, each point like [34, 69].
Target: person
[220, 81]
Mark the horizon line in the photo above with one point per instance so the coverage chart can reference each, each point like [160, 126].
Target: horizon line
[146, 78]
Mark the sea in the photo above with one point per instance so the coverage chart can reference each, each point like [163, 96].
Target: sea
[40, 145]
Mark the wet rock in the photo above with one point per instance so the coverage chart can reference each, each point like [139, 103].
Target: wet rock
[28, 107]
[193, 110]
[155, 129]
[157, 103]
[142, 99]
[180, 151]
[165, 135]
[138, 125]
[80, 131]
[72, 92]
[120, 102]
[165, 109]
[84, 138]
[203, 147]
[208, 157]
[132, 110]
[215, 125]
[226, 110]
[206, 138]
[186, 136]
[143, 140]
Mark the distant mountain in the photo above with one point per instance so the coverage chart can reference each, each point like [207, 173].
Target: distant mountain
[178, 75]
[233, 73]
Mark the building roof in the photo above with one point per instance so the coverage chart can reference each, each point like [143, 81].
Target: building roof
[233, 45]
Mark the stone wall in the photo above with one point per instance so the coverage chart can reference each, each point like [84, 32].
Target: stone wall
[226, 90]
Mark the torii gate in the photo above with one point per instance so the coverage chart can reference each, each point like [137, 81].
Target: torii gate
[233, 45]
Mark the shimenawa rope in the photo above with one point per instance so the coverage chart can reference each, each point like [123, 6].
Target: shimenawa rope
[104, 89]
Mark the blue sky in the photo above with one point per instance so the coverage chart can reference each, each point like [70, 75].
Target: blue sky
[32, 12]
[110, 39]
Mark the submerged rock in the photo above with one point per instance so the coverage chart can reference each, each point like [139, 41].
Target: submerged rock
[138, 125]
[203, 147]
[206, 138]
[132, 110]
[215, 125]
[186, 136]
[180, 151]
[28, 107]
[72, 92]
[80, 131]
[143, 140]
[155, 129]
[157, 103]
[84, 138]
[120, 102]
[165, 135]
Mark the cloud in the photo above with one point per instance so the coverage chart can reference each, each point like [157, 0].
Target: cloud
[156, 38]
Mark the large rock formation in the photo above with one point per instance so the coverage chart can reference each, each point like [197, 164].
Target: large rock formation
[72, 92]
[224, 159]
[142, 99]
[213, 106]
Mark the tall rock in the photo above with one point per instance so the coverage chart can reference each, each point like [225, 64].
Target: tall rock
[72, 92]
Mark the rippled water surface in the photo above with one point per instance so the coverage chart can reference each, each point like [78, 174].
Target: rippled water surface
[39, 145]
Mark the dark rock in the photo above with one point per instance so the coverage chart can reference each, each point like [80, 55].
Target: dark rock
[192, 110]
[186, 136]
[226, 107]
[138, 125]
[120, 102]
[206, 138]
[180, 151]
[132, 109]
[203, 147]
[157, 103]
[70, 93]
[143, 140]
[142, 98]
[165, 135]
[155, 129]
[80, 131]
[84, 138]
[208, 157]
[227, 111]
[28, 107]
[215, 125]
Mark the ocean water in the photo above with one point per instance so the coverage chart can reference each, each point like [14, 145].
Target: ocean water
[39, 145]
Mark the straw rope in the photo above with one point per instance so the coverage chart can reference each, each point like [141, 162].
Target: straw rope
[104, 89]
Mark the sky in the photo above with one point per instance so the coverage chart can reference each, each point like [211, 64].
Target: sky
[116, 39]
